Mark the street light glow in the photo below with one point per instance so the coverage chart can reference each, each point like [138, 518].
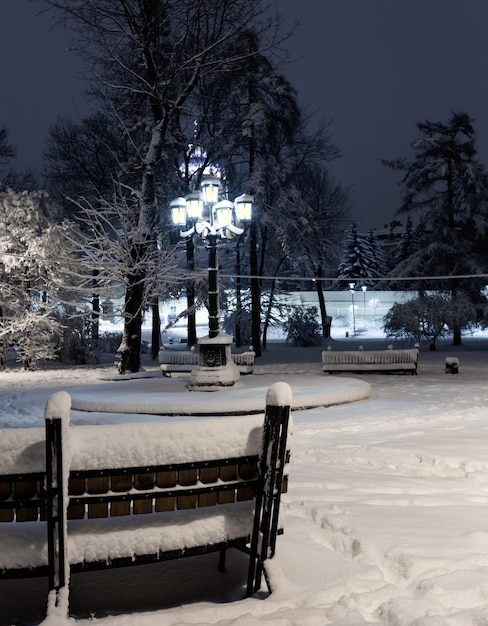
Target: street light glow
[178, 208]
[194, 206]
[210, 186]
[223, 214]
[243, 207]
[215, 365]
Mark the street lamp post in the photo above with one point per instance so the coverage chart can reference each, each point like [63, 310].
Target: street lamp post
[351, 289]
[215, 365]
[364, 288]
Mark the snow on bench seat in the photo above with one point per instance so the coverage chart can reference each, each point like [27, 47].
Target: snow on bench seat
[135, 535]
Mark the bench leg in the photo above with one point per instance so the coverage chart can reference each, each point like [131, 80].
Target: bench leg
[222, 555]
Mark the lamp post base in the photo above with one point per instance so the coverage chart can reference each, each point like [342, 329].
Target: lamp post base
[215, 365]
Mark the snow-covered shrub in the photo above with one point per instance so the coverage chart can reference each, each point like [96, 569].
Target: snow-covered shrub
[110, 342]
[4, 349]
[428, 317]
[29, 259]
[341, 321]
[36, 337]
[229, 325]
[76, 345]
[302, 327]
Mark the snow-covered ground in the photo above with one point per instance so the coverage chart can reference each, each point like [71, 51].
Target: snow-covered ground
[386, 517]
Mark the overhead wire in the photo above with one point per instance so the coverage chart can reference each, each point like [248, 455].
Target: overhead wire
[295, 278]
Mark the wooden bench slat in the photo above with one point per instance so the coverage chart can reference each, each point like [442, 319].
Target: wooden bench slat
[6, 515]
[226, 474]
[5, 490]
[95, 486]
[120, 483]
[166, 480]
[208, 475]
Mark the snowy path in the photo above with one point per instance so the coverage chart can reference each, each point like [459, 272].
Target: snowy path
[386, 518]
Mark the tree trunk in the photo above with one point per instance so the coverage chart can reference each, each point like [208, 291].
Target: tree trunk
[456, 330]
[130, 348]
[456, 336]
[156, 329]
[325, 319]
[3, 346]
[272, 290]
[267, 317]
[95, 329]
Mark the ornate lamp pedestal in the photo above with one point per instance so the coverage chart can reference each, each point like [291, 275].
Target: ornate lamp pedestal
[215, 365]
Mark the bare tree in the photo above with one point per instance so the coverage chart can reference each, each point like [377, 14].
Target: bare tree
[100, 242]
[7, 151]
[19, 180]
[83, 163]
[319, 212]
[144, 62]
[82, 160]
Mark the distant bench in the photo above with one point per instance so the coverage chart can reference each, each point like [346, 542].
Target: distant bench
[180, 361]
[402, 360]
[73, 499]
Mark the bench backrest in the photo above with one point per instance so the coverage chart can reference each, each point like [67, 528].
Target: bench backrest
[178, 357]
[95, 493]
[134, 490]
[374, 357]
[80, 482]
[23, 497]
[244, 358]
[139, 490]
[185, 357]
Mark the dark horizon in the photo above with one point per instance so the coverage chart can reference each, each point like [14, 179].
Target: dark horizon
[373, 69]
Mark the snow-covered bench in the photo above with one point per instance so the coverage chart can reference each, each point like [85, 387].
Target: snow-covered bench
[402, 360]
[181, 361]
[90, 497]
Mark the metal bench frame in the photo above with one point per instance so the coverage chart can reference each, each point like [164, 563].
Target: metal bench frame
[53, 498]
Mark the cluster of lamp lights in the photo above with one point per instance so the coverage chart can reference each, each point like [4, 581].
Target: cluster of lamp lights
[219, 222]
[202, 213]
[222, 213]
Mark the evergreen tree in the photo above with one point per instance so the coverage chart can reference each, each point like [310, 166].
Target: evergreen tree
[406, 246]
[447, 187]
[358, 258]
[378, 268]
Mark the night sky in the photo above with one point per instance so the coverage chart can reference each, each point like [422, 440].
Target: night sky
[373, 68]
